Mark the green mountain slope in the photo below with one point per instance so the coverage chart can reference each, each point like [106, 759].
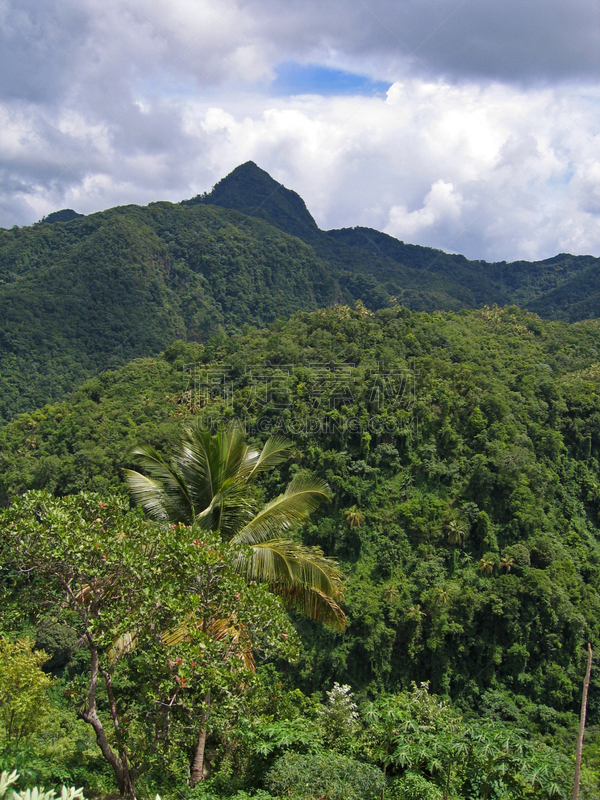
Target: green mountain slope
[420, 277]
[463, 451]
[96, 292]
[91, 293]
[253, 191]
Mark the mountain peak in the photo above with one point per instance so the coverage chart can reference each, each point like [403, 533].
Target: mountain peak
[253, 191]
[64, 215]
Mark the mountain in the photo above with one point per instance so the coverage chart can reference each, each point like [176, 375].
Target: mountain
[95, 292]
[88, 293]
[420, 277]
[468, 442]
[65, 215]
[253, 191]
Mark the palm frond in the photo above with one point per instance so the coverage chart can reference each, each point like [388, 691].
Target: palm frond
[164, 494]
[287, 512]
[207, 483]
[237, 509]
[121, 646]
[227, 512]
[309, 582]
[198, 466]
[218, 628]
[210, 465]
[313, 604]
[274, 452]
[182, 632]
[283, 562]
[229, 627]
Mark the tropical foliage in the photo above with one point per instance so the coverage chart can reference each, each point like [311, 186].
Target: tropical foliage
[122, 584]
[462, 453]
[90, 293]
[209, 483]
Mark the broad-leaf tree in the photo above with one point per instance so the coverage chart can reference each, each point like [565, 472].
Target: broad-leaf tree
[124, 584]
[208, 486]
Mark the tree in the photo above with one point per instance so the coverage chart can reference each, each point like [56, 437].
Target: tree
[23, 690]
[209, 482]
[507, 562]
[354, 517]
[487, 563]
[123, 584]
[457, 533]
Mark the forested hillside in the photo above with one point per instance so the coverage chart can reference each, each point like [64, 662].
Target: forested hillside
[96, 292]
[474, 551]
[462, 451]
[562, 287]
[83, 294]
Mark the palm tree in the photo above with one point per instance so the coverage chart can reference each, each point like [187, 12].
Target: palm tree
[414, 612]
[507, 563]
[457, 533]
[354, 517]
[486, 564]
[208, 483]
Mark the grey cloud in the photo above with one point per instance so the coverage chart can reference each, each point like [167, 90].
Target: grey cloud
[102, 55]
[40, 48]
[516, 40]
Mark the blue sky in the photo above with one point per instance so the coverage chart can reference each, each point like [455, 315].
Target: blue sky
[294, 79]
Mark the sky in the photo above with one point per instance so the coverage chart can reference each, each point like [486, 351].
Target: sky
[468, 125]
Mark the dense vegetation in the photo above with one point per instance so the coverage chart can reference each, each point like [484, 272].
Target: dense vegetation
[96, 292]
[85, 294]
[463, 454]
[372, 265]
[460, 453]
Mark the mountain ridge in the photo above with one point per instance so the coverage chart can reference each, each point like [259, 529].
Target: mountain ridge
[92, 292]
[251, 190]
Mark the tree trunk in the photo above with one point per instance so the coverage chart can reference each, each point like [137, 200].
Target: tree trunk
[447, 789]
[119, 765]
[586, 686]
[198, 771]
[385, 766]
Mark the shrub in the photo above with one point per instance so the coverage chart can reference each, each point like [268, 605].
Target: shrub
[326, 776]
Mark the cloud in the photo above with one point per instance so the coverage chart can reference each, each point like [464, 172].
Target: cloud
[486, 143]
[516, 40]
[442, 204]
[493, 172]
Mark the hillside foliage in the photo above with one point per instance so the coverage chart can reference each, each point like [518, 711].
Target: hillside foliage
[462, 451]
[474, 500]
[86, 294]
[397, 604]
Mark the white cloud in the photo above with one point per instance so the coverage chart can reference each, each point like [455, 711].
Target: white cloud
[442, 204]
[488, 142]
[489, 171]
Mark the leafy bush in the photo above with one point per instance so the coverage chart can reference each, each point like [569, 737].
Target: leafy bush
[413, 786]
[326, 775]
[23, 690]
[339, 717]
